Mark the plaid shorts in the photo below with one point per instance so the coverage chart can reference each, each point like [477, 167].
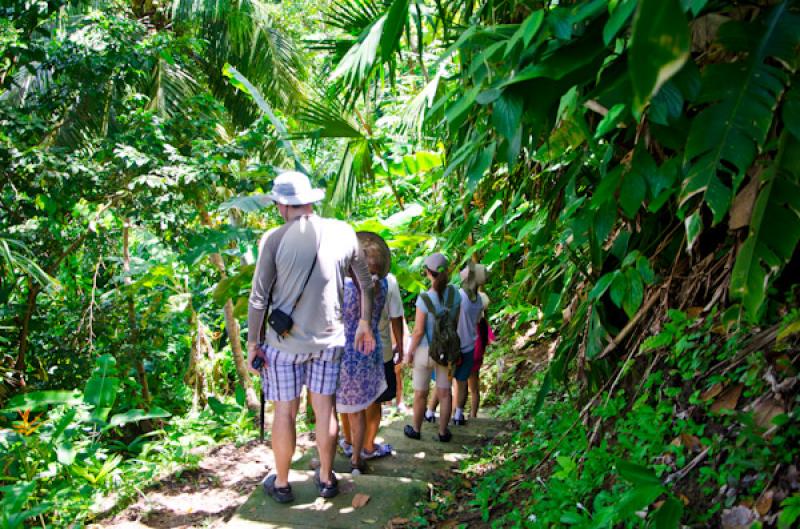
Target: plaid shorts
[285, 374]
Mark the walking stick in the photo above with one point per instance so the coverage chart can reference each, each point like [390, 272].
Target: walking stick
[261, 414]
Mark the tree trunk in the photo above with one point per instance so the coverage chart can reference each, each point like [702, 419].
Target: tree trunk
[234, 336]
[232, 328]
[134, 329]
[195, 375]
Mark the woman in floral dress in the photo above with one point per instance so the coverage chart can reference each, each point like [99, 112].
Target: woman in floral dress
[361, 377]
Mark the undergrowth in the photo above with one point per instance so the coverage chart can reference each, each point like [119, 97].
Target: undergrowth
[700, 429]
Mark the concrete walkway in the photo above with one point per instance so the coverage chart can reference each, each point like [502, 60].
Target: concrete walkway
[394, 484]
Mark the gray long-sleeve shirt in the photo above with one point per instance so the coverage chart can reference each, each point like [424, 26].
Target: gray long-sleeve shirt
[318, 315]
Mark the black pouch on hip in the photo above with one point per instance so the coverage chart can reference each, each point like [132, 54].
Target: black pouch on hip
[280, 322]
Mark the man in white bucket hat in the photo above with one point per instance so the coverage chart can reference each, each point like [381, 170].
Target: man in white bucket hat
[298, 290]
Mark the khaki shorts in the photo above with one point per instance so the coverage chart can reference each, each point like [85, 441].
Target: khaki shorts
[424, 366]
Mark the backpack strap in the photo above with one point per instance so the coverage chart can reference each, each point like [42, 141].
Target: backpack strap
[449, 300]
[428, 303]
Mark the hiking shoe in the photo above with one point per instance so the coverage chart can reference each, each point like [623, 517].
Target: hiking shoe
[460, 422]
[359, 468]
[410, 432]
[326, 490]
[445, 438]
[279, 494]
[430, 418]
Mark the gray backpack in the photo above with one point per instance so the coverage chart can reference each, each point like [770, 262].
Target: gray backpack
[445, 345]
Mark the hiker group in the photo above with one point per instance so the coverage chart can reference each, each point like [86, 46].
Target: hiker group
[326, 313]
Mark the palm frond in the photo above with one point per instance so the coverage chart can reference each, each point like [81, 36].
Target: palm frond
[355, 167]
[244, 35]
[170, 86]
[327, 119]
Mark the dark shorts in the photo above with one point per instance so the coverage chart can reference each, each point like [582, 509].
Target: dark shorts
[391, 382]
[463, 371]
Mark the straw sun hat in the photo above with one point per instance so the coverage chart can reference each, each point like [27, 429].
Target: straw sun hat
[379, 257]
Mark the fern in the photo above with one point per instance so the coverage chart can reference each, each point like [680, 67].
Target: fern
[725, 137]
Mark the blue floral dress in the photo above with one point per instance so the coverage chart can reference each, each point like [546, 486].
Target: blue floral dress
[361, 377]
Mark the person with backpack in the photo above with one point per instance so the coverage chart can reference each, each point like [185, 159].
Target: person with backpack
[362, 378]
[435, 346]
[473, 276]
[297, 289]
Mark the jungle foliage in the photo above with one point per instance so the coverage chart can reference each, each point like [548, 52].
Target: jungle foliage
[628, 169]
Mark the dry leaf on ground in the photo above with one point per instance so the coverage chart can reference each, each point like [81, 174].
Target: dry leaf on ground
[359, 500]
[765, 411]
[764, 503]
[728, 398]
[712, 392]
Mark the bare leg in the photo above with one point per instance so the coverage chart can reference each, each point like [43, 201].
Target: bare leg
[284, 437]
[357, 428]
[474, 390]
[420, 398]
[446, 404]
[398, 373]
[327, 430]
[344, 419]
[434, 402]
[373, 416]
[461, 393]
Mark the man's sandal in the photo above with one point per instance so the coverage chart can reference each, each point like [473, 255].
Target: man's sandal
[279, 494]
[326, 490]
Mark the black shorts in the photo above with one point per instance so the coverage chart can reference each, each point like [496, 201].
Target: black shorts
[391, 382]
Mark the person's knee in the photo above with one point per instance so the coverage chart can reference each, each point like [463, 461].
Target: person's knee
[443, 393]
[421, 394]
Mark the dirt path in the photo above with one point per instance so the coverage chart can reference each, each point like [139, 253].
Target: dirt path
[205, 497]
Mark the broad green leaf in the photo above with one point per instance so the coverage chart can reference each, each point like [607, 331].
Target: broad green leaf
[660, 44]
[634, 293]
[230, 287]
[602, 285]
[38, 400]
[457, 112]
[396, 18]
[632, 192]
[610, 120]
[637, 499]
[619, 16]
[637, 474]
[246, 204]
[791, 109]
[507, 114]
[526, 31]
[101, 388]
[694, 226]
[619, 288]
[668, 516]
[136, 415]
[774, 229]
[480, 165]
[725, 137]
[661, 339]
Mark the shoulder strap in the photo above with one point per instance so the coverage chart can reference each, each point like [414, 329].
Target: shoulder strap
[310, 270]
[449, 297]
[428, 303]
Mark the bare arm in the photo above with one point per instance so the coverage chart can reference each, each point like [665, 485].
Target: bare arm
[397, 332]
[364, 339]
[416, 335]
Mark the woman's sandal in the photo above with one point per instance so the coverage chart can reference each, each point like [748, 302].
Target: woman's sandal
[346, 447]
[381, 450]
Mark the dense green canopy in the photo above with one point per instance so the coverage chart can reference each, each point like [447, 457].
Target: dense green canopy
[629, 171]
